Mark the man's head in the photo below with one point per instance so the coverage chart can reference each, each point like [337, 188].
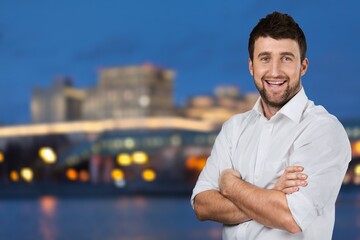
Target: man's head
[277, 49]
[278, 26]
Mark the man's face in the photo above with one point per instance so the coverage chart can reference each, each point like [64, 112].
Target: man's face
[277, 69]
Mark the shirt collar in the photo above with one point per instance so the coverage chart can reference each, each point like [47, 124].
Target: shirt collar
[292, 109]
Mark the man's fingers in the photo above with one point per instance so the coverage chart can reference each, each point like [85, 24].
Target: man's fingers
[295, 176]
[292, 169]
[295, 183]
[291, 180]
[290, 190]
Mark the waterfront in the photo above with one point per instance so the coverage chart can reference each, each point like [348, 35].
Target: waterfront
[135, 217]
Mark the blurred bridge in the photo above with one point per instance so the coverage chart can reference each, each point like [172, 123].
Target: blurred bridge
[124, 153]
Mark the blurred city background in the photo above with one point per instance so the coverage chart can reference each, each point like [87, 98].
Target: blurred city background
[109, 109]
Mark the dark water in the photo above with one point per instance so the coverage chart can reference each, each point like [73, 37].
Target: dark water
[138, 218]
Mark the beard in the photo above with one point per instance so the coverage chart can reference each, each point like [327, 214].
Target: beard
[281, 98]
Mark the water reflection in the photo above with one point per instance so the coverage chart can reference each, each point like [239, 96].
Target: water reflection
[138, 217]
[48, 205]
[47, 221]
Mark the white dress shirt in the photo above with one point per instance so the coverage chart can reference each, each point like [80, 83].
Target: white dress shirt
[301, 133]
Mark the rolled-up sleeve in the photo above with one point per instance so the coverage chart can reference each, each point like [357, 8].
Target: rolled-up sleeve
[220, 158]
[324, 152]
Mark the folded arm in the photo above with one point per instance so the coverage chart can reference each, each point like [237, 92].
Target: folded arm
[266, 206]
[213, 205]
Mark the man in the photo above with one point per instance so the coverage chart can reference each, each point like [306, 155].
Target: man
[254, 181]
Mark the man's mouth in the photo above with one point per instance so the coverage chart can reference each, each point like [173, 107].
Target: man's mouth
[275, 83]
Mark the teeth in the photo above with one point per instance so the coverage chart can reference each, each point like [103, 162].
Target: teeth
[275, 83]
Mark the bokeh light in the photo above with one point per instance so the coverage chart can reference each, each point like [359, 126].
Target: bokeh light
[357, 170]
[72, 174]
[149, 175]
[195, 163]
[48, 155]
[356, 148]
[129, 143]
[14, 176]
[27, 174]
[1, 157]
[123, 159]
[117, 174]
[140, 157]
[84, 176]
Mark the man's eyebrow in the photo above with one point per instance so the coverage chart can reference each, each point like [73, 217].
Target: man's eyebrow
[282, 54]
[263, 54]
[288, 54]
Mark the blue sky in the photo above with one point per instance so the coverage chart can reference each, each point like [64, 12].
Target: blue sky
[204, 42]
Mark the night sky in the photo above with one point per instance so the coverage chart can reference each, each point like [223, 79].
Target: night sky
[203, 41]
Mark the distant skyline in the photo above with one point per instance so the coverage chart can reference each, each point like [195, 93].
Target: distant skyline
[204, 42]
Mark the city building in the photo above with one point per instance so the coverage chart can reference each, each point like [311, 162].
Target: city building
[61, 102]
[131, 92]
[123, 92]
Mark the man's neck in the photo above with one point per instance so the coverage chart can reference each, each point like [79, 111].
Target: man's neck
[269, 111]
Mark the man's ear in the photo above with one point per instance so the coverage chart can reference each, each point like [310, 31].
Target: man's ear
[251, 68]
[304, 66]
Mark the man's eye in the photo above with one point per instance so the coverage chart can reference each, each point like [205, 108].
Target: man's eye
[264, 59]
[286, 59]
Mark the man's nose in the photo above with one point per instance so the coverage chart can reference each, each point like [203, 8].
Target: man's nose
[275, 68]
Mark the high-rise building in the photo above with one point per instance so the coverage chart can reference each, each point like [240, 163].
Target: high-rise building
[131, 92]
[60, 102]
[123, 92]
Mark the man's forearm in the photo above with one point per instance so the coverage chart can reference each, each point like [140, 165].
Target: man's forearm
[212, 205]
[268, 207]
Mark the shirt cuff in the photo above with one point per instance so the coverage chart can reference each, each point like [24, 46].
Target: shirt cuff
[302, 210]
[200, 186]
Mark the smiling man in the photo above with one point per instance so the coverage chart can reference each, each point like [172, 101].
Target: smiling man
[275, 172]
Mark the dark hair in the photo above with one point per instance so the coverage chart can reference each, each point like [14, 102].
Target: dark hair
[278, 26]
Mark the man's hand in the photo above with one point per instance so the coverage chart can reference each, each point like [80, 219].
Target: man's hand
[266, 206]
[227, 178]
[291, 180]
